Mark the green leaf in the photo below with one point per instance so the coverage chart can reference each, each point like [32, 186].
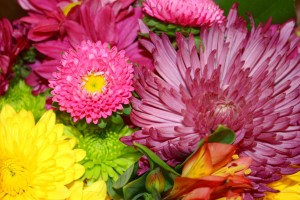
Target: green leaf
[145, 196]
[102, 123]
[117, 119]
[124, 178]
[169, 180]
[134, 187]
[159, 27]
[112, 193]
[153, 157]
[156, 195]
[134, 92]
[262, 10]
[127, 109]
[29, 55]
[222, 135]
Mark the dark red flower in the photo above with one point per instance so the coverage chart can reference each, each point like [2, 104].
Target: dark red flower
[12, 42]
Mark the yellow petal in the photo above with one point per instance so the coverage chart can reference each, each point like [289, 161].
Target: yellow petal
[96, 191]
[7, 112]
[47, 152]
[200, 164]
[66, 144]
[79, 171]
[65, 159]
[80, 154]
[295, 177]
[48, 118]
[60, 192]
[76, 190]
[55, 132]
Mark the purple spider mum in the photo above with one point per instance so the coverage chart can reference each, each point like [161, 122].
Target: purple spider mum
[248, 81]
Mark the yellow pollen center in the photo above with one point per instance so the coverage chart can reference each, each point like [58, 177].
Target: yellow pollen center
[94, 83]
[14, 177]
[247, 171]
[69, 7]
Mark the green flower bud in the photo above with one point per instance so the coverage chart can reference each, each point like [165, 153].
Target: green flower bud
[155, 181]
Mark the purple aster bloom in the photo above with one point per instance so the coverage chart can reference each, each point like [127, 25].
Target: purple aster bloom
[248, 81]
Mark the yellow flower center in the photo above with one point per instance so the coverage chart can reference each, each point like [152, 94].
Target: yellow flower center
[94, 83]
[14, 179]
[69, 7]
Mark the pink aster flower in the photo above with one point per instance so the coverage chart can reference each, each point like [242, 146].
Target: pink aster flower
[92, 81]
[113, 22]
[248, 81]
[186, 13]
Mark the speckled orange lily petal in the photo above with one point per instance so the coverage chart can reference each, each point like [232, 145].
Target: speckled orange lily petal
[210, 157]
[200, 164]
[221, 154]
[184, 185]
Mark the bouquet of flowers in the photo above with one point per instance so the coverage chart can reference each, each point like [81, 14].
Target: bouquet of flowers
[150, 99]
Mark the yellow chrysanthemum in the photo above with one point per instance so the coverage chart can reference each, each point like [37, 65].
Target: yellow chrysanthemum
[36, 161]
[288, 186]
[95, 191]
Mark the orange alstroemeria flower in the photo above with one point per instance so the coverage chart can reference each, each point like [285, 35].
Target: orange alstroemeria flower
[213, 172]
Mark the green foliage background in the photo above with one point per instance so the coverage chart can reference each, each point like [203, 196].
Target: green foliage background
[262, 10]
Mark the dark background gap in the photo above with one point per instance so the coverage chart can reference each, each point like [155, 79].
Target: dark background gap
[10, 9]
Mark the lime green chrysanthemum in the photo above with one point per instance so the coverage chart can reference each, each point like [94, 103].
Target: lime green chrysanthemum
[19, 96]
[288, 186]
[106, 155]
[36, 160]
[95, 191]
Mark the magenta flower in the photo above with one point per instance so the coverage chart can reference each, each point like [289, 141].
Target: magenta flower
[46, 17]
[115, 23]
[186, 13]
[42, 71]
[248, 81]
[12, 42]
[46, 20]
[92, 81]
